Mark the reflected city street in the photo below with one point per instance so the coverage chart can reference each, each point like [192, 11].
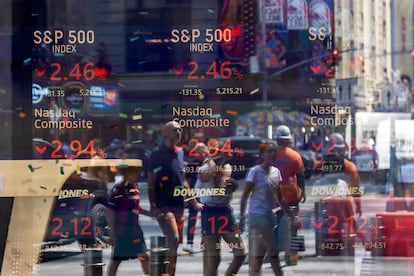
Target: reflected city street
[88, 88]
[362, 263]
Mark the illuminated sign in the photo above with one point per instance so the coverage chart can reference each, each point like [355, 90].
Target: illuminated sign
[105, 78]
[38, 93]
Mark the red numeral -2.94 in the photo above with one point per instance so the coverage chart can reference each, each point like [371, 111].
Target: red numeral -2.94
[213, 147]
[75, 146]
[83, 230]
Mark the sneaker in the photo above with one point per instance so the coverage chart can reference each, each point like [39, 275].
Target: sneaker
[189, 248]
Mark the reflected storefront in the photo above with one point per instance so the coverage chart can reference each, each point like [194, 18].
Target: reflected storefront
[87, 86]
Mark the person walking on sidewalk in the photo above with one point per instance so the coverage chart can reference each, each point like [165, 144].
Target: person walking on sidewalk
[217, 220]
[199, 158]
[292, 189]
[165, 174]
[126, 234]
[260, 186]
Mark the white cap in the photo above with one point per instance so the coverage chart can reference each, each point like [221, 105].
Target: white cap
[283, 132]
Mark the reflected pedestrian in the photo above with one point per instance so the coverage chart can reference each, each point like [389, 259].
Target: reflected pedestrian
[201, 157]
[165, 174]
[292, 188]
[261, 184]
[126, 234]
[347, 211]
[335, 152]
[217, 220]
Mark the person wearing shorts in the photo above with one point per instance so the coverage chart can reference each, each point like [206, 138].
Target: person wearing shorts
[217, 220]
[261, 184]
[201, 156]
[292, 189]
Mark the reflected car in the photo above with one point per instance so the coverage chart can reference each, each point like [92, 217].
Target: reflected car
[79, 211]
[121, 149]
[244, 153]
[72, 213]
[367, 167]
[141, 152]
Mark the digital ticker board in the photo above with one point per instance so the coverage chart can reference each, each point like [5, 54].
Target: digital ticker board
[92, 84]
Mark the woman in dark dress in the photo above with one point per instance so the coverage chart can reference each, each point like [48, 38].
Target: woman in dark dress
[126, 234]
